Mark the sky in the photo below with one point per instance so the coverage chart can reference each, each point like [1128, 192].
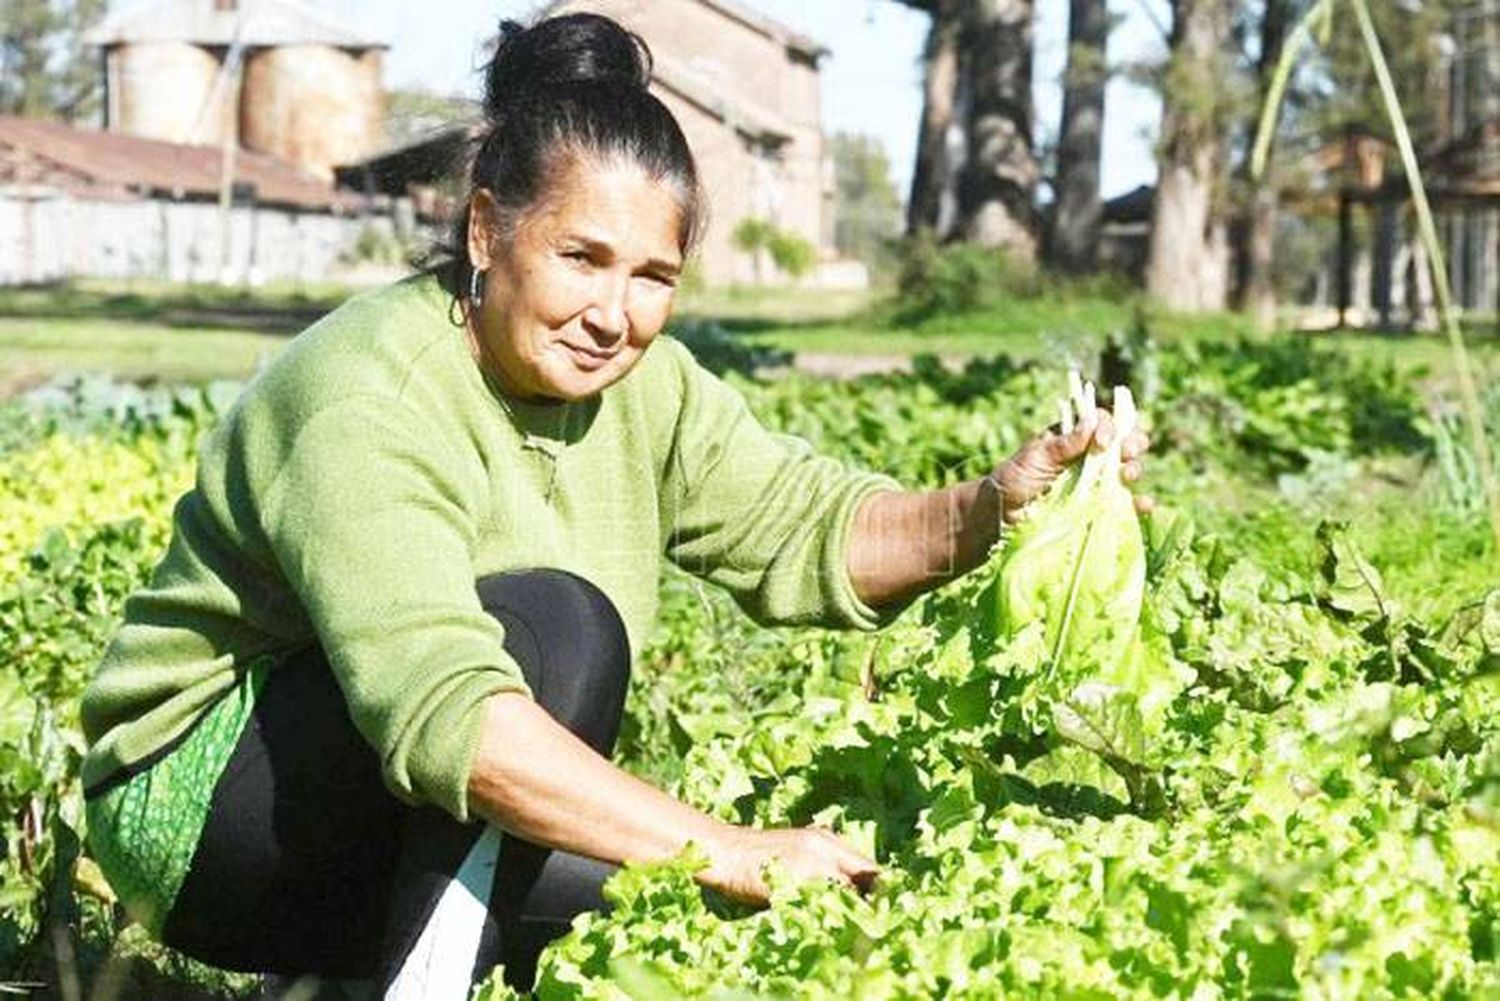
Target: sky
[871, 79]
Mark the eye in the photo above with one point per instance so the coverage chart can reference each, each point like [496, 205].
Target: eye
[661, 279]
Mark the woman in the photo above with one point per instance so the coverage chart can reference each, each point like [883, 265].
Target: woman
[397, 614]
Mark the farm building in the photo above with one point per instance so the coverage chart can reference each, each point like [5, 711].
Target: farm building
[85, 202]
[747, 93]
[224, 122]
[273, 75]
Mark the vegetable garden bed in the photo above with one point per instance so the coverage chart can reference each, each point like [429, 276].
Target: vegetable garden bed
[1314, 812]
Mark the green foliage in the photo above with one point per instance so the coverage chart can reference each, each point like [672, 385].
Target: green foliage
[866, 208]
[943, 286]
[83, 518]
[752, 234]
[719, 351]
[46, 69]
[957, 278]
[1347, 94]
[1316, 814]
[1463, 487]
[792, 254]
[1332, 841]
[1268, 850]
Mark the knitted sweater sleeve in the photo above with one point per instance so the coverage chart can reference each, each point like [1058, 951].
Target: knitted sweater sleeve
[760, 513]
[371, 521]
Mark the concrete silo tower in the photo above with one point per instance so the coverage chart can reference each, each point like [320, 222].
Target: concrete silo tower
[277, 76]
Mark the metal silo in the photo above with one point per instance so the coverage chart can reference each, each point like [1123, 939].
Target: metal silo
[308, 87]
[165, 90]
[315, 105]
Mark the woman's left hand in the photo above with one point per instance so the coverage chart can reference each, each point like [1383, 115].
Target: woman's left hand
[905, 543]
[1026, 475]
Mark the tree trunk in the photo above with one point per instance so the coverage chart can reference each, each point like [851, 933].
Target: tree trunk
[997, 187]
[1257, 235]
[1074, 240]
[940, 89]
[1188, 268]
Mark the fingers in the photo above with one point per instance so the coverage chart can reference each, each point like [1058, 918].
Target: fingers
[1133, 450]
[1144, 503]
[1104, 434]
[850, 867]
[1063, 448]
[850, 860]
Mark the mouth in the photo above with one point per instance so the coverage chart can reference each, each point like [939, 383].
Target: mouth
[589, 359]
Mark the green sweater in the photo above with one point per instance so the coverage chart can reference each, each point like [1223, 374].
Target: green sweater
[364, 482]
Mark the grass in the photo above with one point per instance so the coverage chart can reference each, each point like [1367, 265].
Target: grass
[150, 301]
[154, 331]
[747, 307]
[35, 350]
[150, 331]
[1076, 326]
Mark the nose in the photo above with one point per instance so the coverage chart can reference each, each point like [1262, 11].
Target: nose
[608, 317]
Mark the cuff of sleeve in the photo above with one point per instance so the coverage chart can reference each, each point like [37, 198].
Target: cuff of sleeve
[443, 759]
[847, 605]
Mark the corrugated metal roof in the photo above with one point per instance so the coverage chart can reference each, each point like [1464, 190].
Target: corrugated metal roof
[259, 23]
[113, 161]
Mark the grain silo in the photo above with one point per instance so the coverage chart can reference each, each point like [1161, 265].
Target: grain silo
[147, 84]
[315, 105]
[281, 76]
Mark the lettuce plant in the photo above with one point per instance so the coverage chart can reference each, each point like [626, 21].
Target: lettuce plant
[1070, 585]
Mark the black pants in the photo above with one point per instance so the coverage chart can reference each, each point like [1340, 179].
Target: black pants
[308, 865]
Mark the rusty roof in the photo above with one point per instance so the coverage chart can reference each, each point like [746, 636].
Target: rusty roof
[256, 23]
[116, 163]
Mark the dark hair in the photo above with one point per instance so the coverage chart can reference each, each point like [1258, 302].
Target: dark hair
[567, 88]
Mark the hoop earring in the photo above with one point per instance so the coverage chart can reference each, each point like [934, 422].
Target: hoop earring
[476, 287]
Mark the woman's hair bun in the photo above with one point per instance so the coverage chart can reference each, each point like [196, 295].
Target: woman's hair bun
[571, 49]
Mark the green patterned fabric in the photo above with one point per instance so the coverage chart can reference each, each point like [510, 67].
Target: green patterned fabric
[143, 833]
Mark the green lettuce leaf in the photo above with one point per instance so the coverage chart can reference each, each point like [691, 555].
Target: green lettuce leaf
[1077, 565]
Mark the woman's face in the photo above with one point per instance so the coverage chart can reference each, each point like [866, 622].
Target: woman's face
[573, 300]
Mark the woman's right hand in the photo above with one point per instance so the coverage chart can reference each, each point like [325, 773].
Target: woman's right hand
[559, 792]
[738, 858]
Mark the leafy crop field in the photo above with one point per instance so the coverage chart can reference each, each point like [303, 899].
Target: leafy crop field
[1313, 810]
